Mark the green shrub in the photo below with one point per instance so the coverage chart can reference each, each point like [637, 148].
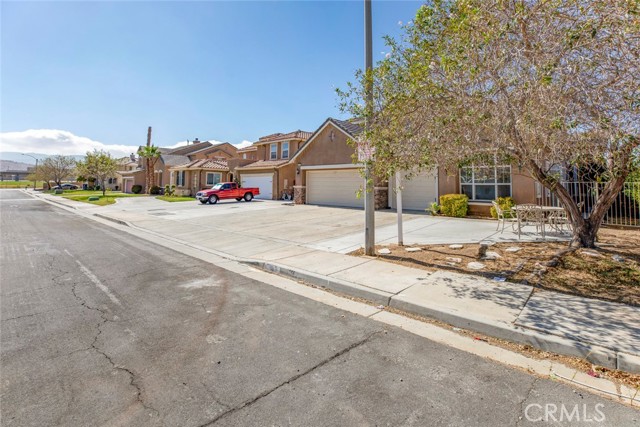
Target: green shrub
[506, 203]
[169, 190]
[434, 208]
[155, 190]
[136, 189]
[455, 205]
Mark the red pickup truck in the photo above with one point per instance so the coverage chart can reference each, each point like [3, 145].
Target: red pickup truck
[226, 190]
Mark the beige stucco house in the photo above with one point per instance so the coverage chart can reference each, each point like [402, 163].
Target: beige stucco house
[272, 171]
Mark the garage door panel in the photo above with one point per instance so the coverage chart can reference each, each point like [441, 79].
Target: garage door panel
[263, 181]
[335, 188]
[417, 193]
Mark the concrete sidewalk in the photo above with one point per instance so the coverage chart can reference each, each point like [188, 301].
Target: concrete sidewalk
[602, 332]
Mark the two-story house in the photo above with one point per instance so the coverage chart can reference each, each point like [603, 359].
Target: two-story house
[272, 171]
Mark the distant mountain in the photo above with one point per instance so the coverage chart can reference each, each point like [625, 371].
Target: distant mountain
[10, 165]
[18, 157]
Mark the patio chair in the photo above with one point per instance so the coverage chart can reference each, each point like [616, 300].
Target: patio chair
[530, 214]
[504, 215]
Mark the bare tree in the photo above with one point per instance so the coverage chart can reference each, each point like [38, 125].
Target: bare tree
[56, 168]
[539, 83]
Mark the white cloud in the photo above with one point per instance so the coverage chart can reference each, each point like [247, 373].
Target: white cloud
[243, 144]
[54, 141]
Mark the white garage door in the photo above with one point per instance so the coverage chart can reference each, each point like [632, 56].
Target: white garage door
[417, 193]
[335, 188]
[263, 181]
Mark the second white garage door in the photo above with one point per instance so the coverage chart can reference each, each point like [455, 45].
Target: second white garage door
[417, 193]
[335, 188]
[263, 181]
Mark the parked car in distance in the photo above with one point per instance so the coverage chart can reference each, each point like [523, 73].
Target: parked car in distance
[226, 190]
[65, 186]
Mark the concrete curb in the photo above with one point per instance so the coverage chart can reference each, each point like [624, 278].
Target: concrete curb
[117, 221]
[601, 356]
[348, 288]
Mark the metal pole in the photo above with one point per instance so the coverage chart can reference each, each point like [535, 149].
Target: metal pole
[369, 196]
[399, 207]
[35, 173]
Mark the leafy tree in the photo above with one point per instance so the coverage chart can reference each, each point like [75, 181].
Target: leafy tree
[536, 83]
[150, 154]
[99, 165]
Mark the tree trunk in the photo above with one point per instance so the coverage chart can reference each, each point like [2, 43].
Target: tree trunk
[147, 177]
[104, 189]
[585, 230]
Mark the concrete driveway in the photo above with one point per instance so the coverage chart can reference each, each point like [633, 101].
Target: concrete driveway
[315, 227]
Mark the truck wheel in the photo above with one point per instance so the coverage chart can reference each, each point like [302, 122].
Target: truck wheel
[204, 202]
[238, 199]
[248, 197]
[213, 199]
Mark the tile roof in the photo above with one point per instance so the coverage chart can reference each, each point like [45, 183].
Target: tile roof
[215, 164]
[249, 148]
[297, 134]
[349, 127]
[264, 164]
[174, 159]
[188, 149]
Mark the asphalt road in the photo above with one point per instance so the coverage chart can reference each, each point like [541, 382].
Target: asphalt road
[100, 328]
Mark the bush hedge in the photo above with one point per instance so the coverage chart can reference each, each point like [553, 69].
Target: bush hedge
[155, 190]
[455, 205]
[506, 203]
[136, 189]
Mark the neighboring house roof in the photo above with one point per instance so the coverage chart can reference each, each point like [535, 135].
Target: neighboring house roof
[296, 134]
[133, 172]
[350, 128]
[264, 164]
[211, 164]
[174, 159]
[223, 146]
[191, 148]
[246, 149]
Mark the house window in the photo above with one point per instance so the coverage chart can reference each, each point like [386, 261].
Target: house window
[213, 178]
[274, 152]
[244, 155]
[285, 150]
[485, 183]
[180, 178]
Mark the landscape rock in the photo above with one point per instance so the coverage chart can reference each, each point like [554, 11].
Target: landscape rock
[491, 255]
[617, 258]
[513, 249]
[455, 246]
[413, 249]
[475, 265]
[592, 254]
[454, 259]
[384, 251]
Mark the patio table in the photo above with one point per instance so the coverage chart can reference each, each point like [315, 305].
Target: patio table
[536, 214]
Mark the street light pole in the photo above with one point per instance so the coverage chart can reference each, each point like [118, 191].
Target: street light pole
[369, 195]
[35, 173]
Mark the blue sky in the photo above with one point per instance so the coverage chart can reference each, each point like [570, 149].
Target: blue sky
[229, 71]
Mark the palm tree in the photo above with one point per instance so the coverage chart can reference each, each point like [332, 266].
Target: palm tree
[151, 154]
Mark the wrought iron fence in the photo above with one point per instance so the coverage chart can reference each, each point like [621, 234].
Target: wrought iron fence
[625, 210]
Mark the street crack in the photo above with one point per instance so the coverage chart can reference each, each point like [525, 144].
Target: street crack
[133, 381]
[266, 393]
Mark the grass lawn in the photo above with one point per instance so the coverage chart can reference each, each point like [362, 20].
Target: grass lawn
[611, 272]
[19, 184]
[176, 198]
[83, 196]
